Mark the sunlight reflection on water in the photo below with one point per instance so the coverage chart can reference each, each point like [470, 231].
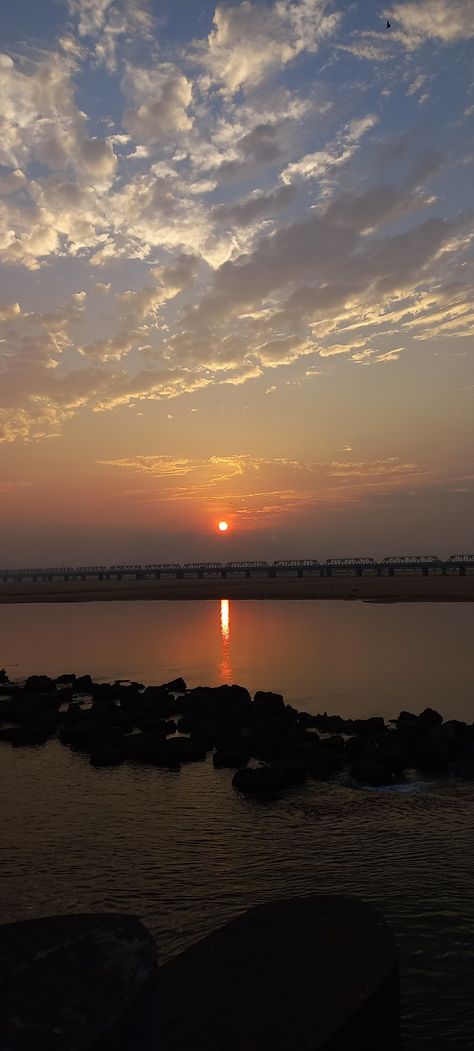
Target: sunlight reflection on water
[225, 666]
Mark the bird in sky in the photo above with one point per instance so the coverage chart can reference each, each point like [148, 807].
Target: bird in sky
[389, 24]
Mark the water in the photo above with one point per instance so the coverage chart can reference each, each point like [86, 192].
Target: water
[185, 852]
[355, 658]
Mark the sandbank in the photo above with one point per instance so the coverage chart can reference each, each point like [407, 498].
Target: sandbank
[402, 588]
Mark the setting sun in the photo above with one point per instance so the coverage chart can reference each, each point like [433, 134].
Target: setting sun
[223, 526]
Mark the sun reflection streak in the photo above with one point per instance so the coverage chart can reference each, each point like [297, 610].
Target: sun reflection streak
[225, 667]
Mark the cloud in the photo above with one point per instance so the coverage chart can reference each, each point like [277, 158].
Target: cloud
[160, 99]
[258, 490]
[249, 41]
[7, 313]
[12, 183]
[105, 22]
[321, 162]
[417, 21]
[40, 120]
[253, 208]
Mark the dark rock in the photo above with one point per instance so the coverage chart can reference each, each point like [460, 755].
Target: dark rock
[306, 974]
[371, 772]
[3, 677]
[332, 724]
[107, 755]
[21, 737]
[266, 703]
[66, 680]
[335, 741]
[434, 756]
[155, 694]
[429, 717]
[39, 684]
[369, 727]
[259, 781]
[354, 746]
[204, 734]
[78, 982]
[235, 760]
[323, 762]
[294, 769]
[175, 686]
[83, 684]
[407, 717]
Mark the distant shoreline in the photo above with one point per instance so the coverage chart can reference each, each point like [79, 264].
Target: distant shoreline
[406, 588]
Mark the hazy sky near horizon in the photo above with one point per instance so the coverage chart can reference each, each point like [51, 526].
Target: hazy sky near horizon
[236, 279]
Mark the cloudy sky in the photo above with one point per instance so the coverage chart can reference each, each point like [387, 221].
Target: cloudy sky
[236, 279]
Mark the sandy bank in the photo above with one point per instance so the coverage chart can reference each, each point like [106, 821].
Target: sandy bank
[406, 588]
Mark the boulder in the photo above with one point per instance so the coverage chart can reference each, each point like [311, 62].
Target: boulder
[259, 781]
[429, 718]
[107, 755]
[371, 772]
[236, 760]
[306, 974]
[39, 684]
[83, 684]
[85, 982]
[68, 679]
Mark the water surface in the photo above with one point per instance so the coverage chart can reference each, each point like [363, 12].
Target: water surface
[185, 852]
[355, 658]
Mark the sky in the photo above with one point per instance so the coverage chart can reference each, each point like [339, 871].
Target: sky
[236, 279]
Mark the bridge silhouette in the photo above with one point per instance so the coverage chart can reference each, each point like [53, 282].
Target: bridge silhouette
[355, 565]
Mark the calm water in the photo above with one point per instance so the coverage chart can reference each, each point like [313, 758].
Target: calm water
[351, 657]
[185, 852]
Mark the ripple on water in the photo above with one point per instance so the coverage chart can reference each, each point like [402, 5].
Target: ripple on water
[185, 852]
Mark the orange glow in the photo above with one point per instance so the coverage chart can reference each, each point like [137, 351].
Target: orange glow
[225, 667]
[223, 526]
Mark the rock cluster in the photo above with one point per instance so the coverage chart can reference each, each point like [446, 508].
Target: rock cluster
[168, 725]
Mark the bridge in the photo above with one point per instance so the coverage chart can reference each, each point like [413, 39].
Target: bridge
[355, 565]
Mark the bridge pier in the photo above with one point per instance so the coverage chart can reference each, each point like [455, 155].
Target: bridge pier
[300, 572]
[462, 571]
[391, 571]
[223, 573]
[425, 571]
[359, 571]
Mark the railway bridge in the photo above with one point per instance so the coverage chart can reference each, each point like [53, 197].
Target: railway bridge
[358, 565]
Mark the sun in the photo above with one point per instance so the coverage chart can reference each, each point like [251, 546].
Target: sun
[223, 527]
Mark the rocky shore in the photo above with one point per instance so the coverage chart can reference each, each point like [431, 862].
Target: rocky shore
[269, 744]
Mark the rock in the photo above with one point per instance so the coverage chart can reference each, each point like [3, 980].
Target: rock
[107, 755]
[305, 974]
[175, 686]
[78, 982]
[371, 772]
[354, 746]
[39, 684]
[429, 717]
[323, 762]
[66, 680]
[230, 759]
[259, 781]
[369, 727]
[336, 742]
[434, 756]
[83, 684]
[266, 703]
[294, 769]
[21, 737]
[3, 677]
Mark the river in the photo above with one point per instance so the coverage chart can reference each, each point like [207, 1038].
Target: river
[185, 852]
